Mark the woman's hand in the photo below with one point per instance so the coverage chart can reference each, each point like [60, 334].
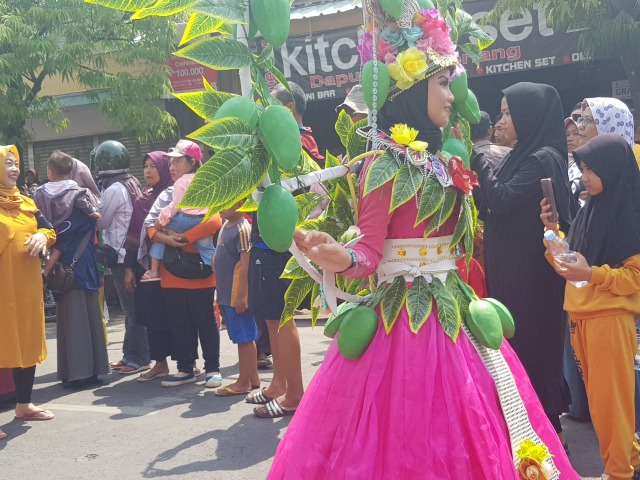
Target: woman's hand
[546, 213]
[36, 244]
[129, 279]
[323, 250]
[578, 271]
[169, 239]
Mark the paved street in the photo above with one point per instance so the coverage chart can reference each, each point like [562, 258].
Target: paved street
[126, 430]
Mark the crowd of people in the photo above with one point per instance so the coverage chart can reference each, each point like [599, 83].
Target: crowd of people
[417, 403]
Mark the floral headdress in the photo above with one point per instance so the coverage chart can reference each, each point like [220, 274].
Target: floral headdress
[412, 45]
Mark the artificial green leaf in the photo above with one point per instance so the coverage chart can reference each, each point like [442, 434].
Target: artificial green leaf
[282, 80]
[461, 226]
[204, 104]
[315, 311]
[228, 176]
[431, 199]
[249, 206]
[295, 295]
[123, 5]
[163, 8]
[224, 133]
[219, 53]
[200, 24]
[405, 186]
[453, 286]
[419, 303]
[473, 52]
[356, 144]
[343, 127]
[326, 225]
[306, 203]
[341, 282]
[448, 312]
[266, 59]
[393, 302]
[444, 213]
[229, 11]
[293, 270]
[469, 209]
[354, 286]
[377, 295]
[331, 160]
[467, 26]
[209, 88]
[381, 170]
[341, 206]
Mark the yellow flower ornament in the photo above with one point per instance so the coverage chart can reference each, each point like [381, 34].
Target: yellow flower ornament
[410, 66]
[403, 135]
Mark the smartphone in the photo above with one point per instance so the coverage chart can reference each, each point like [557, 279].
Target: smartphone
[547, 191]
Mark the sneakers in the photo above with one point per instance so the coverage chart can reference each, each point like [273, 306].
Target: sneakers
[178, 379]
[214, 380]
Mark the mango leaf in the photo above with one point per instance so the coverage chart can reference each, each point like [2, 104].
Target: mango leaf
[430, 200]
[219, 53]
[249, 206]
[208, 87]
[315, 311]
[295, 295]
[341, 282]
[356, 144]
[282, 80]
[405, 186]
[448, 311]
[461, 226]
[331, 160]
[393, 302]
[306, 203]
[354, 286]
[473, 52]
[381, 170]
[453, 286]
[200, 24]
[224, 133]
[419, 303]
[343, 127]
[204, 104]
[293, 270]
[228, 176]
[341, 206]
[229, 11]
[444, 213]
[123, 5]
[469, 209]
[266, 59]
[322, 224]
[467, 26]
[164, 8]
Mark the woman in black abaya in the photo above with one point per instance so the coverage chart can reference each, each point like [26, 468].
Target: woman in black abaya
[516, 270]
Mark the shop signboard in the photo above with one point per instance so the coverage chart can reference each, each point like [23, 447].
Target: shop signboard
[621, 89]
[186, 75]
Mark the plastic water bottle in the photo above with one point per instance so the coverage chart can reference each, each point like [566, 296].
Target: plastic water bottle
[559, 250]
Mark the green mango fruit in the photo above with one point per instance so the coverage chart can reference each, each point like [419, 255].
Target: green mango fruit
[272, 19]
[239, 107]
[277, 217]
[384, 83]
[333, 323]
[506, 319]
[279, 133]
[460, 88]
[484, 323]
[456, 147]
[392, 7]
[470, 109]
[357, 330]
[426, 4]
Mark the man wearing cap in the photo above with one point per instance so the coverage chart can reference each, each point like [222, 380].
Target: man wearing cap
[481, 135]
[354, 105]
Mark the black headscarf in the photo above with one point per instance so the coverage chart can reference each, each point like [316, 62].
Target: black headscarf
[607, 229]
[536, 112]
[410, 107]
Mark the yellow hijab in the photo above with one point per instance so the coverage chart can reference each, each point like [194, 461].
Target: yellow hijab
[10, 197]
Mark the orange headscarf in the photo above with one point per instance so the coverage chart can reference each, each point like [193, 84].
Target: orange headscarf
[10, 197]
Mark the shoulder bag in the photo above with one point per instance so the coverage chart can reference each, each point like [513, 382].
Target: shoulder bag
[61, 278]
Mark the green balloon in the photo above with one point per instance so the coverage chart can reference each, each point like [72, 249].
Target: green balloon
[279, 133]
[470, 109]
[456, 147]
[272, 19]
[460, 88]
[357, 330]
[484, 323]
[426, 4]
[384, 83]
[392, 7]
[239, 107]
[508, 325]
[333, 323]
[277, 217]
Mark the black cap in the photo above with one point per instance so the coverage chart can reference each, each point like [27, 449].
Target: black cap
[479, 130]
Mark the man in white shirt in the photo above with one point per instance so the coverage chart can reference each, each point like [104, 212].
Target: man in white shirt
[120, 191]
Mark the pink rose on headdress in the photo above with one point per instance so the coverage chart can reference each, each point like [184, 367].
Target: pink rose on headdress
[366, 47]
[437, 34]
[386, 52]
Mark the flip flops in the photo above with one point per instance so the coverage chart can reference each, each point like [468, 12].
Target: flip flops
[130, 369]
[116, 365]
[228, 392]
[39, 415]
[258, 398]
[2, 435]
[273, 409]
[145, 377]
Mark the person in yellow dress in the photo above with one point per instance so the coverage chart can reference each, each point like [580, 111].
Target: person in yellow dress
[24, 235]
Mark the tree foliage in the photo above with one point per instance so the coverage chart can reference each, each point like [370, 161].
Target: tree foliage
[608, 28]
[121, 64]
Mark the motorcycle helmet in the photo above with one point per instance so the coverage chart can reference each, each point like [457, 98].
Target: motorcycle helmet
[110, 158]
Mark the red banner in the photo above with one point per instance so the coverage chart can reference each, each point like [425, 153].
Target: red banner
[186, 75]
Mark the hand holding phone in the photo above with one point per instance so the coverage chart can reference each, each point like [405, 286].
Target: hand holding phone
[547, 191]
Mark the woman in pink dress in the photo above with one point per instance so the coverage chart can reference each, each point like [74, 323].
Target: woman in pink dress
[417, 404]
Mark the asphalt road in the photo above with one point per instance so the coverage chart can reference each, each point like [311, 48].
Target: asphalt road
[126, 430]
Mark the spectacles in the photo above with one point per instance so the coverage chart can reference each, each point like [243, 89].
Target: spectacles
[584, 121]
[575, 117]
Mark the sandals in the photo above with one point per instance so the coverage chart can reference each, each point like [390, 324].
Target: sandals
[258, 398]
[228, 392]
[145, 377]
[116, 365]
[273, 409]
[264, 362]
[39, 415]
